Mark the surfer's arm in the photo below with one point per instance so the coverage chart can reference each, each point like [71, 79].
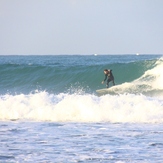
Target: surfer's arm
[104, 79]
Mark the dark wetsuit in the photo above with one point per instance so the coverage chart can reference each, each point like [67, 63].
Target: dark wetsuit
[110, 78]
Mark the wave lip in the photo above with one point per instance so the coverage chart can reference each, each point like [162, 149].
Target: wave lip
[149, 83]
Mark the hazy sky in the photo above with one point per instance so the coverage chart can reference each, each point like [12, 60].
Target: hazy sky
[81, 26]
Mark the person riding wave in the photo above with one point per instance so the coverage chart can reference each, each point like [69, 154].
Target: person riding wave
[109, 75]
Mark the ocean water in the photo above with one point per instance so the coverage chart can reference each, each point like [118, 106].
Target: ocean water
[50, 111]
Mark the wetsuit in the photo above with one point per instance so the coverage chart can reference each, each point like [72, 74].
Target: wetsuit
[110, 78]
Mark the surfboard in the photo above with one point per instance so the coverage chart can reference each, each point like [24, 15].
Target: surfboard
[114, 90]
[104, 91]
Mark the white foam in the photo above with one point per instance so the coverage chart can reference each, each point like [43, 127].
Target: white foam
[42, 106]
[150, 83]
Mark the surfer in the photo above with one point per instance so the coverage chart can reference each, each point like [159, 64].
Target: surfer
[108, 73]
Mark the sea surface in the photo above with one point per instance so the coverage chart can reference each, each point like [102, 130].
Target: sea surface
[50, 111]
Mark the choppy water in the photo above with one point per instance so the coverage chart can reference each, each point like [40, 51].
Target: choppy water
[80, 142]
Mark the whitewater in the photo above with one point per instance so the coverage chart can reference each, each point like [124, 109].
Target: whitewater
[50, 111]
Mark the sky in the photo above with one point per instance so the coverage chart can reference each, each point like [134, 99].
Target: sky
[81, 27]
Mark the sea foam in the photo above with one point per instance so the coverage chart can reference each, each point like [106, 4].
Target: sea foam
[42, 106]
